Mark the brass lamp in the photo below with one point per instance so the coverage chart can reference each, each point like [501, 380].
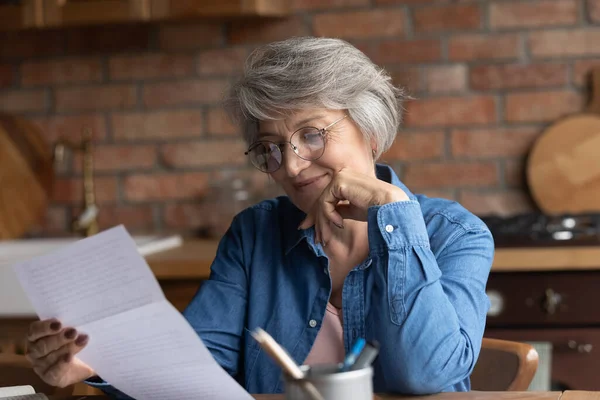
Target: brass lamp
[87, 221]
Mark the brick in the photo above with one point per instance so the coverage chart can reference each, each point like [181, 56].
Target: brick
[70, 127]
[446, 79]
[360, 24]
[514, 172]
[408, 78]
[76, 70]
[207, 219]
[455, 17]
[582, 70]
[155, 187]
[120, 157]
[134, 218]
[516, 14]
[484, 47]
[150, 66]
[118, 38]
[52, 223]
[157, 125]
[204, 154]
[23, 101]
[27, 44]
[439, 193]
[190, 36]
[565, 43]
[70, 190]
[258, 184]
[221, 61]
[96, 97]
[402, 52]
[492, 142]
[505, 203]
[439, 175]
[262, 31]
[518, 76]
[327, 4]
[6, 76]
[451, 111]
[541, 106]
[593, 8]
[219, 123]
[416, 146]
[183, 92]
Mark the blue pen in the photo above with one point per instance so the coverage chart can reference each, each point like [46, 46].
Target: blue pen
[367, 356]
[354, 353]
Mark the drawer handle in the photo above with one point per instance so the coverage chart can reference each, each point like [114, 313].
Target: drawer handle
[551, 301]
[580, 348]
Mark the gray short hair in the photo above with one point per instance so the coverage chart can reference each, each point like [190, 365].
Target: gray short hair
[310, 72]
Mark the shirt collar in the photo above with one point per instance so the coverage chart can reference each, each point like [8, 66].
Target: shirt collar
[293, 235]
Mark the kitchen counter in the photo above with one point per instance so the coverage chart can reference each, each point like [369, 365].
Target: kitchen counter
[192, 260]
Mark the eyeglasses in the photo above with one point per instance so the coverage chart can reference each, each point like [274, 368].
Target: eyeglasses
[308, 143]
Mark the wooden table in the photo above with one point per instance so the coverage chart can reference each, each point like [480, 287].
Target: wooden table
[569, 395]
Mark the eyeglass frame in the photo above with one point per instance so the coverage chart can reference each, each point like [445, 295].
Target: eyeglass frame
[294, 148]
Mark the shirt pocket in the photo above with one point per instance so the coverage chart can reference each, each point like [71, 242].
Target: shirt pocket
[396, 275]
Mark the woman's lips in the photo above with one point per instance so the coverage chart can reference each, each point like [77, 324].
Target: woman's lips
[302, 185]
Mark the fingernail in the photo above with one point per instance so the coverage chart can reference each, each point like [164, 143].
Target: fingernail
[67, 358]
[55, 326]
[70, 333]
[339, 225]
[81, 340]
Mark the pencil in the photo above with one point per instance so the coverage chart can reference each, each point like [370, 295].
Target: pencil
[284, 360]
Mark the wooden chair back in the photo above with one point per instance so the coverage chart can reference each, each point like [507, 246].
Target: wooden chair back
[504, 365]
[15, 370]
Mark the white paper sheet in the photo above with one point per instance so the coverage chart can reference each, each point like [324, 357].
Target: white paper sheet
[138, 341]
[16, 391]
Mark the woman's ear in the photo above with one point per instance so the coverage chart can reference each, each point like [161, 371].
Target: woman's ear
[373, 145]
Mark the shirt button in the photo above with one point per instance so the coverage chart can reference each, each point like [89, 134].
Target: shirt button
[325, 271]
[389, 228]
[312, 323]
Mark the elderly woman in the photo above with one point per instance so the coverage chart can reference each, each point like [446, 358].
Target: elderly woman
[349, 253]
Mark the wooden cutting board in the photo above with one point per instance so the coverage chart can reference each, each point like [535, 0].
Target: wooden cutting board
[563, 168]
[26, 176]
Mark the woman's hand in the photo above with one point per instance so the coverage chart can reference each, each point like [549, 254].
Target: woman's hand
[348, 196]
[51, 350]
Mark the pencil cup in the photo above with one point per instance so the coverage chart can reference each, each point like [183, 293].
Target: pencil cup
[332, 384]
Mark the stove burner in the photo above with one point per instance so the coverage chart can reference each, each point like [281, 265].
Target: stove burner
[535, 229]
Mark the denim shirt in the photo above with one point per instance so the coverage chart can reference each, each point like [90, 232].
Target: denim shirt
[420, 293]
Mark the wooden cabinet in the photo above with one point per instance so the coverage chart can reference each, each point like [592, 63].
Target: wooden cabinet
[25, 14]
[554, 307]
[20, 14]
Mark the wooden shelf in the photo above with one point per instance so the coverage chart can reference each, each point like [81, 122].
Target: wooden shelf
[193, 260]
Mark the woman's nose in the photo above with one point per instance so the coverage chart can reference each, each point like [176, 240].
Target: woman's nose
[292, 163]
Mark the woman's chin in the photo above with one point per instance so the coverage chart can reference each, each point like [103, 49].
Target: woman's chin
[303, 201]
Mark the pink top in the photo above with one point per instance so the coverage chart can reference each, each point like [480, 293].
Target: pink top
[329, 344]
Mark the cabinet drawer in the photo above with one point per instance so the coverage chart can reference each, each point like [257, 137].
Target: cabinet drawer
[544, 298]
[575, 354]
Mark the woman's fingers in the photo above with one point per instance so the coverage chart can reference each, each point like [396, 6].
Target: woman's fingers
[65, 353]
[348, 211]
[47, 344]
[40, 329]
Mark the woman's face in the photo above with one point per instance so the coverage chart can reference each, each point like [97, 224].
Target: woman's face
[345, 148]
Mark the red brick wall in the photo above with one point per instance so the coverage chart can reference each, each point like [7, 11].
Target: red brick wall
[487, 76]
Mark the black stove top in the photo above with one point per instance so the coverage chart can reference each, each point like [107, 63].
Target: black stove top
[540, 230]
